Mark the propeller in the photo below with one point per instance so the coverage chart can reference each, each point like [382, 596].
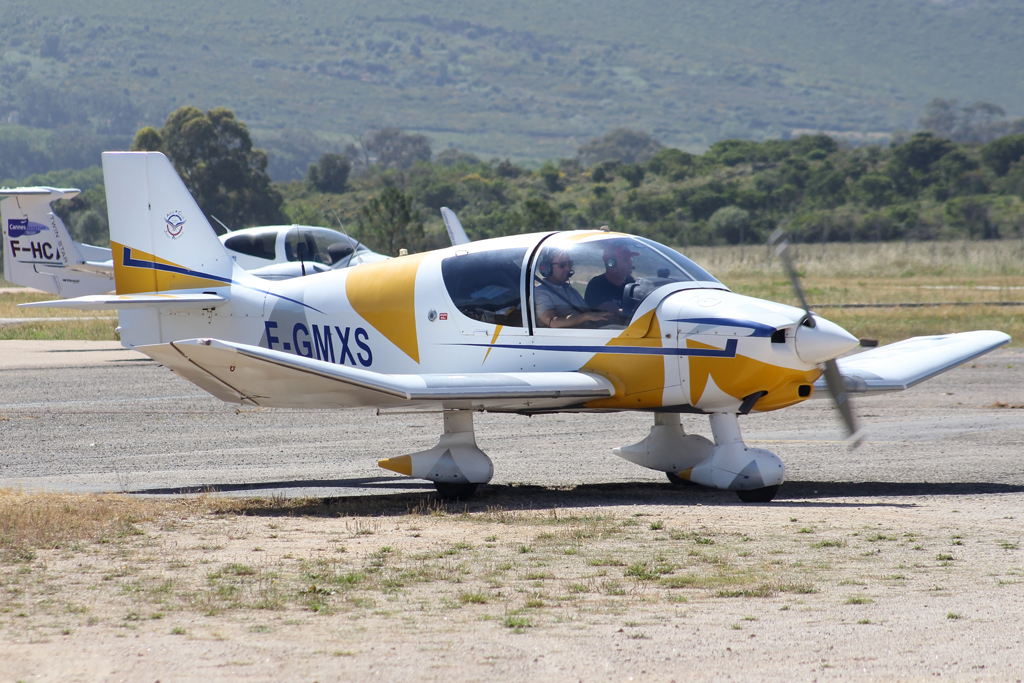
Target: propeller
[833, 378]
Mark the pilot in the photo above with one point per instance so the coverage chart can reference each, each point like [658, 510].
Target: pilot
[604, 291]
[557, 303]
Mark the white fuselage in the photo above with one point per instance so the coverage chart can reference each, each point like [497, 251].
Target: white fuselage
[688, 345]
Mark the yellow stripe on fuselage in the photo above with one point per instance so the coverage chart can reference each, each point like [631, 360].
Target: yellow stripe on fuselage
[384, 295]
[136, 280]
[639, 380]
[742, 376]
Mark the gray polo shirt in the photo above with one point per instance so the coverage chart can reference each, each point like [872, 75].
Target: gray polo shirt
[562, 298]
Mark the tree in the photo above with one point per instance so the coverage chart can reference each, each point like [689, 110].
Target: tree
[292, 151]
[633, 174]
[910, 167]
[539, 215]
[622, 144]
[940, 117]
[875, 190]
[674, 164]
[214, 156]
[1000, 154]
[552, 177]
[730, 223]
[976, 122]
[395, 149]
[147, 140]
[330, 174]
[388, 223]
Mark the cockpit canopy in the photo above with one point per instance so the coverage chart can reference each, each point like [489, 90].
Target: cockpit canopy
[611, 272]
[608, 272]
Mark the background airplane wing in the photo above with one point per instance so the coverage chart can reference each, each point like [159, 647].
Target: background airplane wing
[899, 366]
[239, 373]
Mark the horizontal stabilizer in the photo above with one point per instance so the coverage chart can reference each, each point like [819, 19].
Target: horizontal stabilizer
[239, 373]
[107, 302]
[899, 366]
[51, 193]
[105, 268]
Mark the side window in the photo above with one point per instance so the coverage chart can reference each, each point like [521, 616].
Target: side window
[331, 246]
[260, 245]
[485, 286]
[299, 245]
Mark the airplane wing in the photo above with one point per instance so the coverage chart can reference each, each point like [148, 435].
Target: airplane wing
[105, 302]
[252, 375]
[899, 366]
[456, 233]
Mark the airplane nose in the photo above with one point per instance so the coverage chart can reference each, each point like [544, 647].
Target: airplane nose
[824, 341]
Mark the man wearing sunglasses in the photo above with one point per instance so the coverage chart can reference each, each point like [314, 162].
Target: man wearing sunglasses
[557, 303]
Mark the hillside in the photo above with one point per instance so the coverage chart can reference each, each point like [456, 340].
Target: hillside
[529, 80]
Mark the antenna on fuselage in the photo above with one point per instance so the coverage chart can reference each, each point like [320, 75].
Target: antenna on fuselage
[345, 233]
[226, 228]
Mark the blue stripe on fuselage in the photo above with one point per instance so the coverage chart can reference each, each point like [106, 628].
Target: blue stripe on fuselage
[130, 262]
[728, 352]
[759, 329]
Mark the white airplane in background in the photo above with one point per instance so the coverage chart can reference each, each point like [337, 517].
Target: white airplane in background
[477, 326]
[39, 251]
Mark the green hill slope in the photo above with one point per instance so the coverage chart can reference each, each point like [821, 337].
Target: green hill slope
[530, 80]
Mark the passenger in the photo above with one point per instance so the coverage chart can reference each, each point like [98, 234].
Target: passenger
[604, 292]
[556, 302]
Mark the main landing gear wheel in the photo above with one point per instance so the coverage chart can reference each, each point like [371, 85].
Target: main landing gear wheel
[455, 491]
[762, 495]
[676, 480]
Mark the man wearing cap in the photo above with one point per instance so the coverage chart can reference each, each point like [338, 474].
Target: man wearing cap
[604, 291]
[558, 304]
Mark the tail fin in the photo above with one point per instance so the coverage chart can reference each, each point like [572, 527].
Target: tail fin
[38, 248]
[456, 233]
[160, 238]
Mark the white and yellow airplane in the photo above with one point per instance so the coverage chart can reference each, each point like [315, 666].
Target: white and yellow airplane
[39, 251]
[493, 325]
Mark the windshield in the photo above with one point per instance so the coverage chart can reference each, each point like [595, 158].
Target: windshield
[598, 280]
[321, 245]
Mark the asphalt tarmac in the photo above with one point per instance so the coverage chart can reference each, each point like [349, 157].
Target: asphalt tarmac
[89, 416]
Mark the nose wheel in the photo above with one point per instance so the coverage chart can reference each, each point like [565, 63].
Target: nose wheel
[676, 480]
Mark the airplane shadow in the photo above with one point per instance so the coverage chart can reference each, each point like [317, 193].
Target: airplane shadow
[418, 496]
[357, 483]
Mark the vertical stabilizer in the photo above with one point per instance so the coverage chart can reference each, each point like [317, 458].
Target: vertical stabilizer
[161, 240]
[38, 249]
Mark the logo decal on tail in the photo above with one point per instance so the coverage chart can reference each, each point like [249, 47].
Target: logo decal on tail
[21, 227]
[175, 224]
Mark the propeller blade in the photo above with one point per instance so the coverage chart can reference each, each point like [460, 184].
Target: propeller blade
[833, 378]
[781, 244]
[837, 388]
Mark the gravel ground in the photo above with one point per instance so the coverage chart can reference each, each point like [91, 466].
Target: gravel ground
[924, 580]
[109, 420]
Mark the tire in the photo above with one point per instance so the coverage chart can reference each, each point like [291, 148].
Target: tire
[676, 480]
[762, 495]
[455, 491]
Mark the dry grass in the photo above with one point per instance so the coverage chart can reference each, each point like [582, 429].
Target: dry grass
[978, 273]
[86, 325]
[38, 521]
[273, 573]
[9, 307]
[887, 260]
